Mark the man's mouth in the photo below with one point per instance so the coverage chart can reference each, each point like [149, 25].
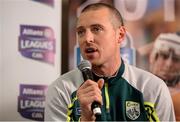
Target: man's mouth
[90, 50]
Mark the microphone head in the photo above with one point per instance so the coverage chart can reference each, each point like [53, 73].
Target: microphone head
[85, 64]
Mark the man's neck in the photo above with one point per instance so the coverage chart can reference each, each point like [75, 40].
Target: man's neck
[107, 70]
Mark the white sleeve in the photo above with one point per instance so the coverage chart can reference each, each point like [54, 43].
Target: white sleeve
[57, 100]
[164, 105]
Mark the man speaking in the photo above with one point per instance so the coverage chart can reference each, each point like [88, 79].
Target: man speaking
[123, 92]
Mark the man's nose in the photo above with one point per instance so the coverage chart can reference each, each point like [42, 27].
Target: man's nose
[89, 37]
[169, 62]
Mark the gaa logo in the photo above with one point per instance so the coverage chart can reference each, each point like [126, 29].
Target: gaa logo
[132, 110]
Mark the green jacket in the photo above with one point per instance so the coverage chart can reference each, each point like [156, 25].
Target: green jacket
[121, 102]
[133, 94]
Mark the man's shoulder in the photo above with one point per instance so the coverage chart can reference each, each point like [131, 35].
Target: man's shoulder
[142, 79]
[72, 78]
[141, 73]
[147, 83]
[71, 74]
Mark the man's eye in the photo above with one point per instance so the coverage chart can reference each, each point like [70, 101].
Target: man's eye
[96, 29]
[165, 56]
[80, 32]
[176, 59]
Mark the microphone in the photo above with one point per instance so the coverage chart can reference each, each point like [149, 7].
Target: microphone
[85, 68]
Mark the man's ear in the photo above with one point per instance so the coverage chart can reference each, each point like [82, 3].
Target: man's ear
[122, 34]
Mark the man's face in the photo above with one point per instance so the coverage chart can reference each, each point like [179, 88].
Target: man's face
[166, 66]
[98, 39]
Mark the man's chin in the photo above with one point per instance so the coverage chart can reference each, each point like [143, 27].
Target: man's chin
[163, 77]
[167, 78]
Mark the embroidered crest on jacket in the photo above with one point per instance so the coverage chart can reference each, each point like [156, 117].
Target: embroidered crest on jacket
[132, 110]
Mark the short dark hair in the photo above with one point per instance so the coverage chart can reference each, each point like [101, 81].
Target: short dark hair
[112, 9]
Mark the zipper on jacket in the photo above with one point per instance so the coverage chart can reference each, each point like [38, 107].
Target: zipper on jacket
[107, 98]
